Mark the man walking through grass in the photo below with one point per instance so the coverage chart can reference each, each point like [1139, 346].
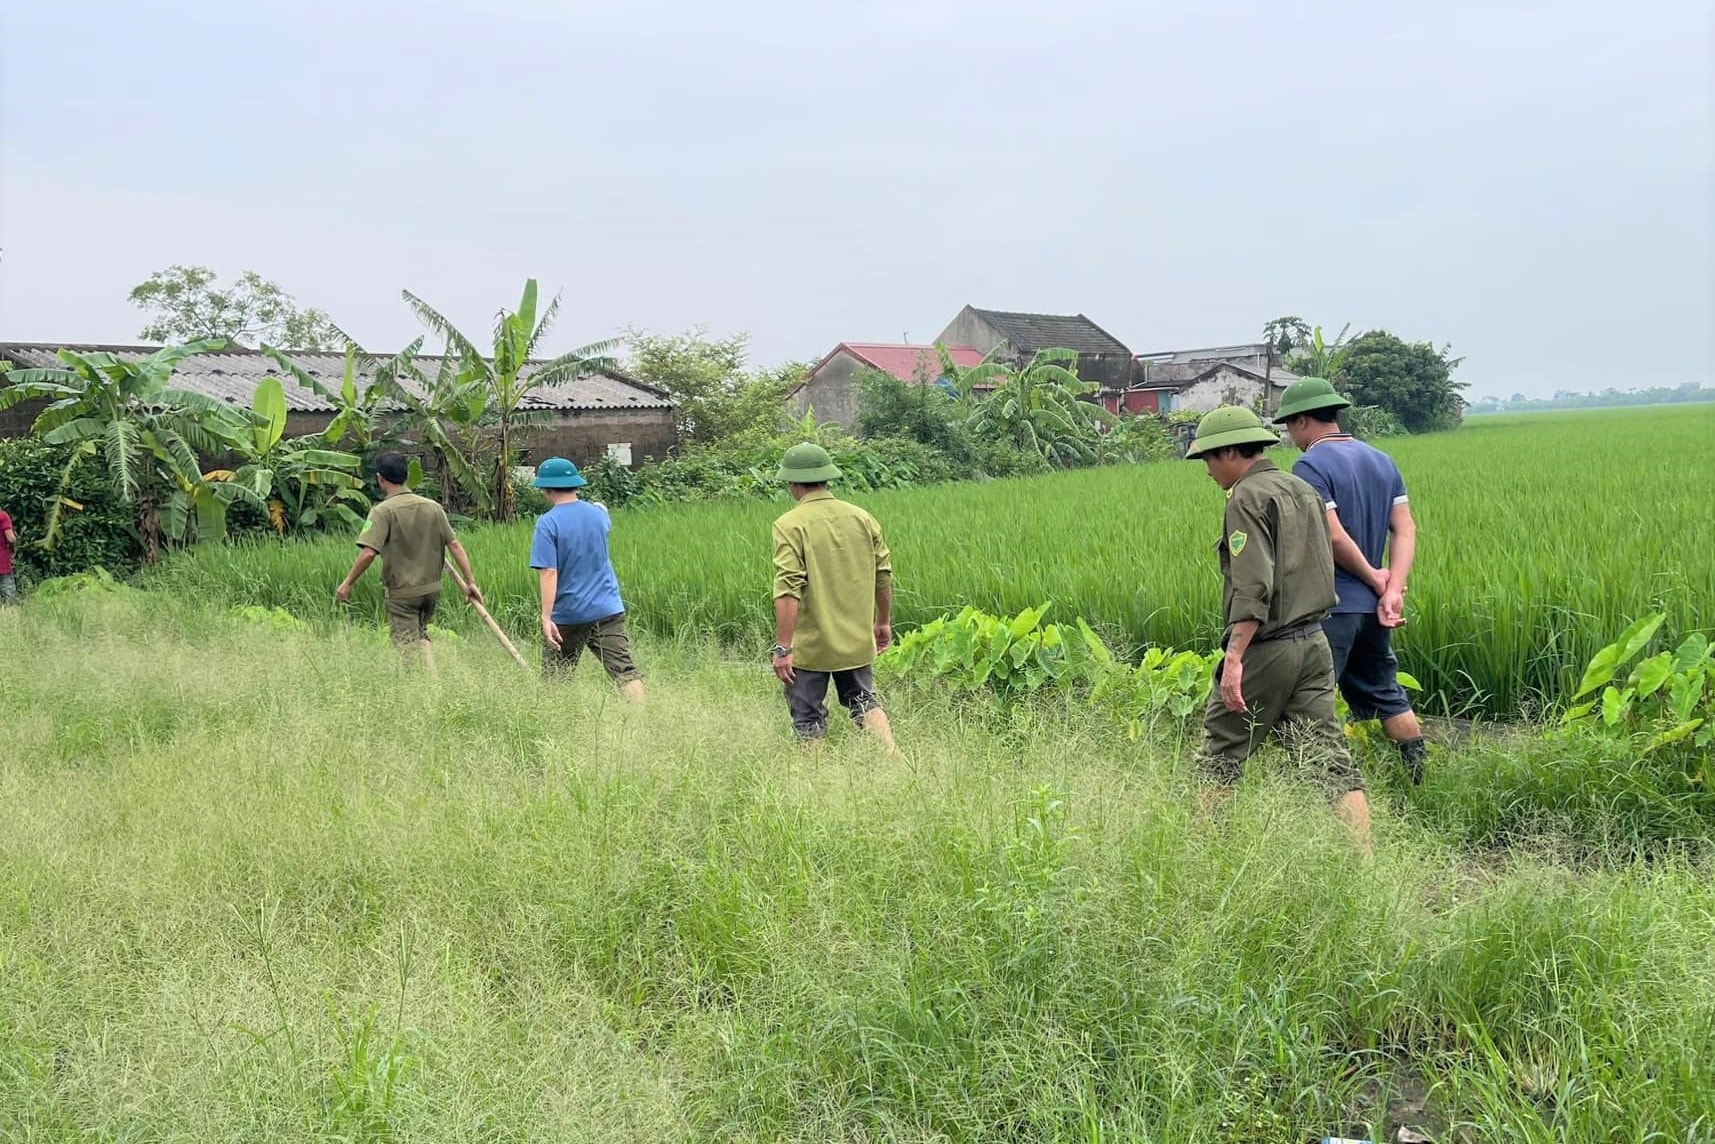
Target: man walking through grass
[833, 600]
[579, 591]
[8, 544]
[1369, 514]
[410, 534]
[1276, 672]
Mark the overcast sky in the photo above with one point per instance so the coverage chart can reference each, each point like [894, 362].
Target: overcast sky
[1531, 182]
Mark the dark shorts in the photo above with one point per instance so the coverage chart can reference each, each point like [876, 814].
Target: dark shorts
[408, 620]
[807, 698]
[8, 588]
[606, 638]
[1289, 690]
[1365, 666]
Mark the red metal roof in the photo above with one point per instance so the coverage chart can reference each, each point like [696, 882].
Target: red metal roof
[904, 362]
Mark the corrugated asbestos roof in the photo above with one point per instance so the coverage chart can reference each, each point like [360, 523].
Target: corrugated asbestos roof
[232, 376]
[1031, 332]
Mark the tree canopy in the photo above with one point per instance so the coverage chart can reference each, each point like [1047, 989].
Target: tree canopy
[1411, 380]
[718, 396]
[185, 303]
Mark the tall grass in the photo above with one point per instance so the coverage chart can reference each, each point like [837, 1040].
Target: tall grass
[1541, 536]
[263, 885]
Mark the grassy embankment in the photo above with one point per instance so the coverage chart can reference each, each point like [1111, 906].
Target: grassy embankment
[1542, 537]
[261, 885]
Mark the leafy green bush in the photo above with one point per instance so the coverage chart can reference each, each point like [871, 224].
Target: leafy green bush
[1136, 439]
[527, 499]
[1369, 421]
[94, 581]
[97, 527]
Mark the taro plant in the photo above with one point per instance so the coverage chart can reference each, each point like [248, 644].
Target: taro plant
[1664, 704]
[976, 651]
[1164, 686]
[1008, 656]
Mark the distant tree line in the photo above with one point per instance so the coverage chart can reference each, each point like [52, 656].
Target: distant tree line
[1565, 399]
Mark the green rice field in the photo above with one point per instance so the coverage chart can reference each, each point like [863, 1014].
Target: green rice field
[1540, 537]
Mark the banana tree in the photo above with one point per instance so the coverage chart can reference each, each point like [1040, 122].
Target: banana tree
[302, 485]
[1037, 408]
[509, 376]
[147, 433]
[450, 415]
[1317, 357]
[359, 411]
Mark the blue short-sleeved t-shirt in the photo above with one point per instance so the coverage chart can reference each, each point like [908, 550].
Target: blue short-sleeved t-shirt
[572, 537]
[1361, 484]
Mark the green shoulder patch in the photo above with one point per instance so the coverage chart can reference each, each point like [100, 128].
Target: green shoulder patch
[1236, 542]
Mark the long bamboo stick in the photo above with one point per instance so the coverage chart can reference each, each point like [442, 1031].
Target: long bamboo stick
[483, 612]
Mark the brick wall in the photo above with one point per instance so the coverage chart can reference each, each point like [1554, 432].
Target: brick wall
[16, 421]
[584, 436]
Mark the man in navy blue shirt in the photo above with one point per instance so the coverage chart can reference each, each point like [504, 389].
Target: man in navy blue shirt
[1369, 515]
[580, 594]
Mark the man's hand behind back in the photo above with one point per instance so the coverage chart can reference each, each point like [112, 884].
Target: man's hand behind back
[1391, 610]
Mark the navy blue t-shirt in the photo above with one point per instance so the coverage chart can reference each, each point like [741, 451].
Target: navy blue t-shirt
[572, 537]
[1361, 484]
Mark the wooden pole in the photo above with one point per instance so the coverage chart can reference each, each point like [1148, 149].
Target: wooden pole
[483, 612]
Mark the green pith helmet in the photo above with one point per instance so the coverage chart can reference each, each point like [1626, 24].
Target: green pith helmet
[558, 473]
[808, 464]
[1308, 394]
[1229, 425]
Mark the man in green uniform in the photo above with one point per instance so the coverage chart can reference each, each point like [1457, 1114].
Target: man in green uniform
[833, 600]
[1276, 673]
[409, 533]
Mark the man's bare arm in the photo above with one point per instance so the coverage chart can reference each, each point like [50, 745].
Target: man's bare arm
[365, 557]
[1402, 551]
[1402, 544]
[1349, 556]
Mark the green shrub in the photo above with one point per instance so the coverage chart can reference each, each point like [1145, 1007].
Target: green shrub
[1369, 421]
[527, 499]
[98, 529]
[1139, 438]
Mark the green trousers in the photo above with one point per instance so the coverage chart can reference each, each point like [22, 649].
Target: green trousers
[1289, 690]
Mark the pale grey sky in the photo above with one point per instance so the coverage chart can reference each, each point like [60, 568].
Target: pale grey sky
[1531, 182]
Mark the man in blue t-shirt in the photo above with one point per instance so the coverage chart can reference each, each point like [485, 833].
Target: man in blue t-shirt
[580, 594]
[1365, 497]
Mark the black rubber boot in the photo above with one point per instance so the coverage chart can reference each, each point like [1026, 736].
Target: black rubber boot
[1413, 752]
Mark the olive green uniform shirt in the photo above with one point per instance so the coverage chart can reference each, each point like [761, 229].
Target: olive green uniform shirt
[829, 555]
[1277, 562]
[409, 533]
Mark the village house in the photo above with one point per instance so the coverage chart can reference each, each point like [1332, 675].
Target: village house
[1196, 381]
[1102, 358]
[599, 415]
[831, 390]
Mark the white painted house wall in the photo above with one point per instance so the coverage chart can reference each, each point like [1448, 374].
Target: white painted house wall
[1226, 387]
